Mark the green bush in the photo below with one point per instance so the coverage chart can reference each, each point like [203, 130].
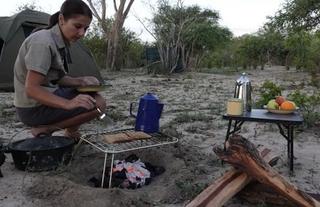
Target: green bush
[98, 47]
[309, 106]
[130, 48]
[268, 91]
[308, 103]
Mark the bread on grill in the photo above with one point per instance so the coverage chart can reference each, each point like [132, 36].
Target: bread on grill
[115, 138]
[125, 137]
[138, 135]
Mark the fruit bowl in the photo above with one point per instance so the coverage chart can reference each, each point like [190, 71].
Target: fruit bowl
[280, 111]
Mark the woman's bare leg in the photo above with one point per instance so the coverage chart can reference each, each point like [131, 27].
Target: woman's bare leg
[65, 124]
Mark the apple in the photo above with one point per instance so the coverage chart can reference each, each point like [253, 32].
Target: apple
[272, 104]
[280, 100]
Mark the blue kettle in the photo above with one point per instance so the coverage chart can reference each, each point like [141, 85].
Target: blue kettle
[149, 112]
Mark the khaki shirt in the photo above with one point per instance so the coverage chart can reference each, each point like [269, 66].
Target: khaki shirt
[40, 52]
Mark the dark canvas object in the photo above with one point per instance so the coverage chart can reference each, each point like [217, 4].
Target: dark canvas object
[13, 31]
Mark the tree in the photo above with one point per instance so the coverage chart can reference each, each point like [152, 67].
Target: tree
[95, 41]
[112, 29]
[204, 38]
[298, 46]
[276, 52]
[131, 49]
[298, 22]
[185, 34]
[298, 15]
[30, 5]
[253, 51]
[129, 46]
[314, 53]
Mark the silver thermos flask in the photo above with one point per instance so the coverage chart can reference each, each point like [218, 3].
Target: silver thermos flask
[243, 91]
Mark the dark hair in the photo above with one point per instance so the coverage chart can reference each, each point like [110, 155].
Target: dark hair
[69, 9]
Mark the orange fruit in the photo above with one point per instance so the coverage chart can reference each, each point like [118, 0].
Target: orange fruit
[288, 105]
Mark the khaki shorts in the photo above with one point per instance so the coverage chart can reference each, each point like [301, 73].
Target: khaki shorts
[46, 115]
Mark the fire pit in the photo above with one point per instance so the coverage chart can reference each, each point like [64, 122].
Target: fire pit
[96, 140]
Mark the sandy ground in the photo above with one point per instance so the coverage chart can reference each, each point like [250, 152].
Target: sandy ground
[194, 104]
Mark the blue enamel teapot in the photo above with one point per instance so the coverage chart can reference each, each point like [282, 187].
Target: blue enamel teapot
[148, 115]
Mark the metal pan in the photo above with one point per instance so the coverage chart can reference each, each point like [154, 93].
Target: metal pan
[41, 153]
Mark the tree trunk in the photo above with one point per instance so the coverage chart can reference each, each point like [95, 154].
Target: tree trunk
[242, 154]
[114, 34]
[113, 42]
[287, 62]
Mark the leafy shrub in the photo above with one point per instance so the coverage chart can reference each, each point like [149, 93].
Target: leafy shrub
[130, 48]
[267, 91]
[309, 106]
[98, 47]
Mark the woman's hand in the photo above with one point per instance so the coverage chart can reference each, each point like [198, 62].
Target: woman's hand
[89, 80]
[81, 100]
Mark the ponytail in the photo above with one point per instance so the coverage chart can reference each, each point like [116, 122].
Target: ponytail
[54, 19]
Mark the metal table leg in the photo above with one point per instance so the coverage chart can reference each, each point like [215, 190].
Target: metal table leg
[289, 137]
[111, 166]
[290, 140]
[236, 127]
[104, 168]
[228, 134]
[289, 143]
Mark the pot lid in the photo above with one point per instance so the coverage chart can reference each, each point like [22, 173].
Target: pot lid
[41, 143]
[150, 97]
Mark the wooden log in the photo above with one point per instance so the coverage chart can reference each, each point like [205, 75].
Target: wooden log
[243, 155]
[257, 193]
[227, 186]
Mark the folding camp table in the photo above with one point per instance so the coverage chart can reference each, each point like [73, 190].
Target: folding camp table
[285, 122]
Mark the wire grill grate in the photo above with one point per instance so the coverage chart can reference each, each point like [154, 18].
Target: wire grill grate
[157, 139]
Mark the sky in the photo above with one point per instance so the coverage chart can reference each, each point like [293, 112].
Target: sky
[240, 16]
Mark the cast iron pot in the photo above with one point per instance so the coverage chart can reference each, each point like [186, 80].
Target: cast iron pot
[41, 153]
